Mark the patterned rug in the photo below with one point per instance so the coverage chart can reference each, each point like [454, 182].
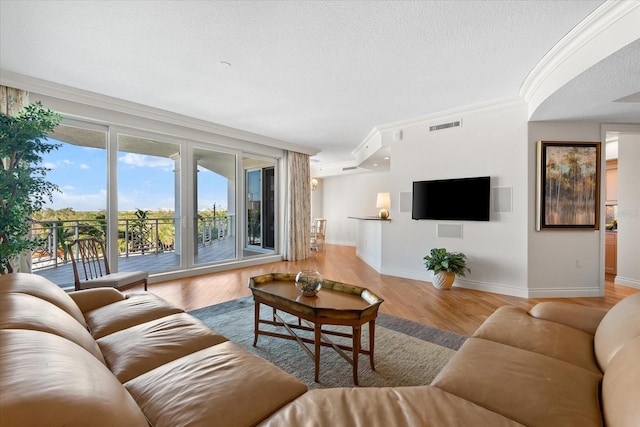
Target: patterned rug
[406, 353]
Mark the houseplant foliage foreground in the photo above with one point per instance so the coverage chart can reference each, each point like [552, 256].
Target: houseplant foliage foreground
[23, 187]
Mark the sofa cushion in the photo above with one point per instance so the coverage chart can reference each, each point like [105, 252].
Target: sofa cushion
[515, 327]
[46, 380]
[24, 311]
[621, 387]
[619, 326]
[400, 406]
[116, 280]
[222, 385]
[530, 388]
[91, 299]
[576, 316]
[140, 348]
[42, 288]
[135, 309]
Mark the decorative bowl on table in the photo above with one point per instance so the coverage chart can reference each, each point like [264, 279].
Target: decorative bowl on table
[308, 282]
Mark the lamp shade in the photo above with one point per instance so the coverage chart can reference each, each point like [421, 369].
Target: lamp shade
[383, 201]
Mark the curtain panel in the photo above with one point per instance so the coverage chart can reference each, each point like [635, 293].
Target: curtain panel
[298, 215]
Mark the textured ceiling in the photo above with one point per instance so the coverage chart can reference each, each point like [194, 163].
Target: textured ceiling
[606, 92]
[316, 73]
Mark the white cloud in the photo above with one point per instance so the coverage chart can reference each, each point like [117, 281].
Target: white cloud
[67, 162]
[49, 165]
[80, 202]
[134, 159]
[84, 166]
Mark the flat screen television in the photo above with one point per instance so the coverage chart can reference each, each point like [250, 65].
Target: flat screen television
[463, 199]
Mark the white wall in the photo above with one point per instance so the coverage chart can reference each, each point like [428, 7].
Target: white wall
[506, 255]
[628, 272]
[491, 141]
[563, 263]
[351, 195]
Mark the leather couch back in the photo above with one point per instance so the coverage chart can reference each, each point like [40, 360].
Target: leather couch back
[52, 371]
[617, 328]
[47, 380]
[42, 288]
[24, 311]
[621, 387]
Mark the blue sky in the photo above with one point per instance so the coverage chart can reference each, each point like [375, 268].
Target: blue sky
[144, 182]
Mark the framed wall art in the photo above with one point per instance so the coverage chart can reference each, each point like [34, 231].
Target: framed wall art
[568, 185]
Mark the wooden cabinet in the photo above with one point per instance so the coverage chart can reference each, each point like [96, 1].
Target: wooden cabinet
[611, 252]
[612, 182]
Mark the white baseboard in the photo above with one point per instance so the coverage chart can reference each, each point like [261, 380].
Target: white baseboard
[462, 283]
[375, 264]
[625, 281]
[565, 292]
[497, 288]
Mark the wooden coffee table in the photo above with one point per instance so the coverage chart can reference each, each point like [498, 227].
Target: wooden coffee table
[336, 304]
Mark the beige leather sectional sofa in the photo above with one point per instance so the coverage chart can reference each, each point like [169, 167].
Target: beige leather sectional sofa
[103, 358]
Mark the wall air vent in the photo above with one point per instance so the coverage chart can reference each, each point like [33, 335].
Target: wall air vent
[455, 124]
[350, 168]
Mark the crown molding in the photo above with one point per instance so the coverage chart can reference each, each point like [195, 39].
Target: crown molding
[71, 94]
[334, 169]
[454, 113]
[613, 16]
[439, 116]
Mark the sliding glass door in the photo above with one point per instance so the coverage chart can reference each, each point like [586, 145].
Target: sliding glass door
[214, 204]
[260, 206]
[149, 209]
[162, 204]
[79, 209]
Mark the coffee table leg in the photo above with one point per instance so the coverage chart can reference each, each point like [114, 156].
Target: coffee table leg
[356, 352]
[318, 333]
[256, 323]
[372, 336]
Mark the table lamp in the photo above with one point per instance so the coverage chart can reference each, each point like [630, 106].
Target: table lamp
[383, 202]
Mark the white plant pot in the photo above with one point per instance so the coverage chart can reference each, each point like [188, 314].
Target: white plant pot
[443, 280]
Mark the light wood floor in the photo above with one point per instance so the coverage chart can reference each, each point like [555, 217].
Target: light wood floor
[458, 310]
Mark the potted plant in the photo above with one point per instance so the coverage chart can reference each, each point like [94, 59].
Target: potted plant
[23, 188]
[445, 266]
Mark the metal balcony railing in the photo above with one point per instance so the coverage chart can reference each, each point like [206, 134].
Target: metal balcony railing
[135, 236]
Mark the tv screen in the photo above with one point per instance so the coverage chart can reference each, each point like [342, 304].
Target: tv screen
[463, 199]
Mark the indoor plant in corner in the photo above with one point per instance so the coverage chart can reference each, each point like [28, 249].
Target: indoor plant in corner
[445, 266]
[23, 188]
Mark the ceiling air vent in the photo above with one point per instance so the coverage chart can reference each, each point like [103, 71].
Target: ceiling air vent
[455, 124]
[350, 168]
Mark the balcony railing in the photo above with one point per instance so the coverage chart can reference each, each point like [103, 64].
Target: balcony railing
[135, 236]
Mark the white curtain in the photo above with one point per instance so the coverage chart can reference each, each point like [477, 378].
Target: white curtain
[12, 101]
[298, 214]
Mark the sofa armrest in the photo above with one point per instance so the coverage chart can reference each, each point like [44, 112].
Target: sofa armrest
[90, 299]
[576, 316]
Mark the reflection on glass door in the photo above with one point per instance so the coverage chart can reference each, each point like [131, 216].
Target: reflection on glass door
[149, 208]
[215, 207]
[260, 206]
[268, 207]
[254, 208]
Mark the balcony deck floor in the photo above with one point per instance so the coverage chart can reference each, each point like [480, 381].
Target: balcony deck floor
[219, 250]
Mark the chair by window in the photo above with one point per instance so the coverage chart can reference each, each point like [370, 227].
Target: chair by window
[318, 231]
[91, 268]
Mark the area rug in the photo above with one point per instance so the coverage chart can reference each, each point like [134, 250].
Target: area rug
[406, 353]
